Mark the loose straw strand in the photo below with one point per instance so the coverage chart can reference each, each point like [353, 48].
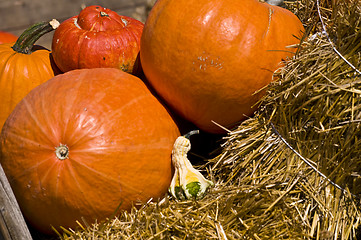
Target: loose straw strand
[308, 162]
[329, 39]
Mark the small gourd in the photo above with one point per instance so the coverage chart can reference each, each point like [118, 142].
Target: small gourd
[187, 182]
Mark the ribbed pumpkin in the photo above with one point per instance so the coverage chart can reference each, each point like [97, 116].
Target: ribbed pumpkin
[208, 58]
[84, 143]
[97, 37]
[24, 66]
[6, 37]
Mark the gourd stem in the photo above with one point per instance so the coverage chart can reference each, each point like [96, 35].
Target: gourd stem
[25, 42]
[187, 135]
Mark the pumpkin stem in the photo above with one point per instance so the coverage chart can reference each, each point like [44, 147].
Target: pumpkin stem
[26, 41]
[103, 14]
[62, 152]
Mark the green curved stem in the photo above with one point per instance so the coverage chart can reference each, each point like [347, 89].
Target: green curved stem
[24, 44]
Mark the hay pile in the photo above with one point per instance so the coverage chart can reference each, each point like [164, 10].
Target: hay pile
[293, 171]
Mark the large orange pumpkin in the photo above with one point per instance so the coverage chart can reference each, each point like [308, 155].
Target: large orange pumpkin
[6, 37]
[24, 66]
[84, 143]
[208, 58]
[97, 37]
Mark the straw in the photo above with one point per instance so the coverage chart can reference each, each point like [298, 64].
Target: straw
[292, 171]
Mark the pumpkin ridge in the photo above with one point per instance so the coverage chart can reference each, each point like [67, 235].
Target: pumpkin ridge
[30, 112]
[38, 62]
[129, 104]
[5, 56]
[82, 46]
[133, 34]
[27, 140]
[50, 169]
[68, 31]
[27, 170]
[96, 172]
[95, 149]
[77, 85]
[99, 23]
[85, 198]
[48, 119]
[56, 191]
[80, 135]
[94, 25]
[44, 60]
[5, 82]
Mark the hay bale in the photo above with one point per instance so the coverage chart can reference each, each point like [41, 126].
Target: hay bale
[290, 172]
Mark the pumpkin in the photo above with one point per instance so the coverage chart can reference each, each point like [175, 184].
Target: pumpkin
[24, 66]
[85, 143]
[210, 60]
[6, 37]
[97, 37]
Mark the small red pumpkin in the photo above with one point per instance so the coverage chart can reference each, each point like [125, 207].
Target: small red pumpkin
[97, 37]
[84, 143]
[208, 58]
[24, 66]
[6, 37]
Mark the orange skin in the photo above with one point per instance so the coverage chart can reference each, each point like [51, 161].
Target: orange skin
[97, 37]
[120, 139]
[19, 73]
[6, 37]
[207, 58]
